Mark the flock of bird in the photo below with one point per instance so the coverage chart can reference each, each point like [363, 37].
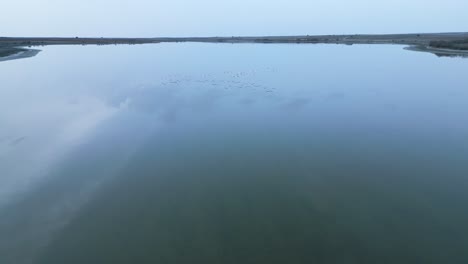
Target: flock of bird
[227, 81]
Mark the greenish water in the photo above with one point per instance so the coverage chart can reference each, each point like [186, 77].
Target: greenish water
[202, 153]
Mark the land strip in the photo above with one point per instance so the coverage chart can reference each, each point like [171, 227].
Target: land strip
[451, 42]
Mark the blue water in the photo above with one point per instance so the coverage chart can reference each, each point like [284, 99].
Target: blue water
[206, 153]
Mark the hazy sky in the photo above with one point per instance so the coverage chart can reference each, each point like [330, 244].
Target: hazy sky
[147, 18]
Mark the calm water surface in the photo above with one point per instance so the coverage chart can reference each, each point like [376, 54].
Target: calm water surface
[204, 153]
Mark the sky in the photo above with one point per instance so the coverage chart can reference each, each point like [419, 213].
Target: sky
[158, 18]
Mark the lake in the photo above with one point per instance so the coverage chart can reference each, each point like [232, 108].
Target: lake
[221, 153]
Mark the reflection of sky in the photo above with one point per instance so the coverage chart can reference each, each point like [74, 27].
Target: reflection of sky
[38, 130]
[51, 103]
[229, 17]
[71, 110]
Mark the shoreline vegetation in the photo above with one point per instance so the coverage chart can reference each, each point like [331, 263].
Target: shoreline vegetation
[447, 44]
[7, 54]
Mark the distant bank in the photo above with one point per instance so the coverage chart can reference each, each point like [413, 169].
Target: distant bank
[432, 42]
[7, 54]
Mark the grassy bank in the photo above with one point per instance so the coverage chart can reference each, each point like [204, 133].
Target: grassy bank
[453, 45]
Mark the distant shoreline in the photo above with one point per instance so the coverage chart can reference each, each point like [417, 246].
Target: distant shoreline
[17, 53]
[440, 52]
[459, 41]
